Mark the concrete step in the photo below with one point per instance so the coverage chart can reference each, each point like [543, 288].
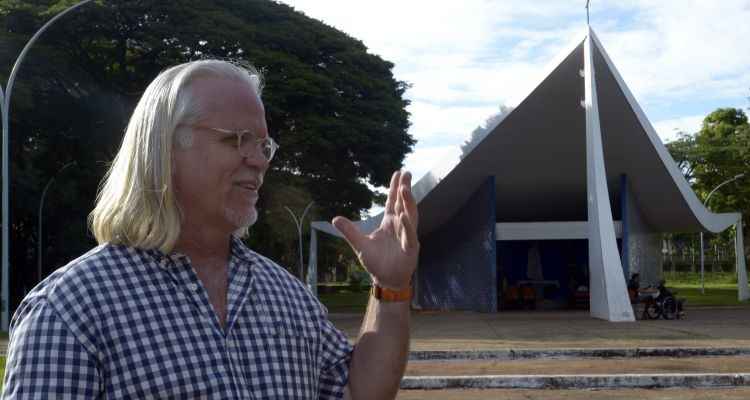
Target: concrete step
[603, 381]
[580, 366]
[732, 393]
[579, 373]
[521, 354]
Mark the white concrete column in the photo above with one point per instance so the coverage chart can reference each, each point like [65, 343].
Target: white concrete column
[312, 263]
[743, 293]
[608, 292]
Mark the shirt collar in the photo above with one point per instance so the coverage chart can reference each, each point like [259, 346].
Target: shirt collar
[167, 261]
[241, 251]
[237, 249]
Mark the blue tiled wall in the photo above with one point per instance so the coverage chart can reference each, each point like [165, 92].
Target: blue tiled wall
[457, 265]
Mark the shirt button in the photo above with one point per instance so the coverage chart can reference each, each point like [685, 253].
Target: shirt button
[193, 287]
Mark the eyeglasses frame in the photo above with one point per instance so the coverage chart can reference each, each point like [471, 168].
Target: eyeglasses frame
[240, 134]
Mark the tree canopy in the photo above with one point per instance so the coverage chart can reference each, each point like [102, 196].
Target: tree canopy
[717, 153]
[335, 109]
[480, 132]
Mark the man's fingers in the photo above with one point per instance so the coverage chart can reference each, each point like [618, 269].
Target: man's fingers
[408, 233]
[408, 215]
[351, 233]
[403, 183]
[399, 208]
[390, 203]
[409, 208]
[406, 178]
[409, 204]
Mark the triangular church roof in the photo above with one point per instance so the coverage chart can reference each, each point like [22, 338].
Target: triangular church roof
[537, 154]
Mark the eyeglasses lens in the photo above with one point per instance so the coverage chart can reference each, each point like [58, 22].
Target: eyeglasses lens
[247, 143]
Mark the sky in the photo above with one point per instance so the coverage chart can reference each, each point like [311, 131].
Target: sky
[681, 59]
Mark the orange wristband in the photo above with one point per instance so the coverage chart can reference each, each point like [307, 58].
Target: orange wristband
[388, 295]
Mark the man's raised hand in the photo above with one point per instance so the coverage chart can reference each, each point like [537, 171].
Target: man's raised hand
[390, 253]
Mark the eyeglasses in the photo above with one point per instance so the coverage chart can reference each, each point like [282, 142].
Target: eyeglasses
[247, 142]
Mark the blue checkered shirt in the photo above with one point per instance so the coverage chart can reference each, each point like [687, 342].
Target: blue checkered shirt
[126, 323]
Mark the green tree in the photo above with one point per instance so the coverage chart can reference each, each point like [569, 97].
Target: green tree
[684, 152]
[721, 152]
[480, 132]
[718, 152]
[336, 110]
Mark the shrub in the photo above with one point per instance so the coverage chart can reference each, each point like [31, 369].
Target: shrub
[359, 279]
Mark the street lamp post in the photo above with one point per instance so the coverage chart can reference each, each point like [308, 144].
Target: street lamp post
[5, 115]
[705, 203]
[298, 223]
[41, 207]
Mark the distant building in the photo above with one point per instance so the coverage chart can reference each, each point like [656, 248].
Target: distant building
[567, 195]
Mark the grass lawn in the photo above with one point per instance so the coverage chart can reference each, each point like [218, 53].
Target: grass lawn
[694, 278]
[720, 291]
[715, 295]
[346, 301]
[721, 288]
[4, 336]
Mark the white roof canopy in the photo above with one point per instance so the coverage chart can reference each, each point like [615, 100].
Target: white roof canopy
[538, 157]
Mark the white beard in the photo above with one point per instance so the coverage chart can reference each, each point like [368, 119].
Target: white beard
[241, 220]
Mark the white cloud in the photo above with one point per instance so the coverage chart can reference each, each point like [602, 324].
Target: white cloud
[669, 129]
[465, 58]
[677, 49]
[429, 159]
[663, 49]
[397, 30]
[433, 123]
[440, 159]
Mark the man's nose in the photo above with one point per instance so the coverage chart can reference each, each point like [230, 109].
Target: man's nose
[253, 156]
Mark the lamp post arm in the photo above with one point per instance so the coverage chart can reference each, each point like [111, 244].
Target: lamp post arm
[51, 181]
[720, 185]
[705, 204]
[294, 217]
[19, 60]
[39, 230]
[305, 212]
[299, 239]
[5, 116]
[298, 222]
[39, 216]
[44, 194]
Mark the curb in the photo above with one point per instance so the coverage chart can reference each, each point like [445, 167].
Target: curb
[623, 381]
[527, 354]
[562, 354]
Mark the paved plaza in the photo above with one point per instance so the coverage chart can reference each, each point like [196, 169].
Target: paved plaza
[532, 354]
[453, 331]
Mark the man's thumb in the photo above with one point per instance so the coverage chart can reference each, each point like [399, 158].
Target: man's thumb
[351, 233]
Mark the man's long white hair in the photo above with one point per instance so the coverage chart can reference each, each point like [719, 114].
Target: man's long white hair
[136, 204]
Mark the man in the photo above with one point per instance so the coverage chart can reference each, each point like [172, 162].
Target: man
[172, 304]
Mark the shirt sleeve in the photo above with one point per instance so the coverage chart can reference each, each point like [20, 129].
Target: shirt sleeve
[336, 356]
[46, 360]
